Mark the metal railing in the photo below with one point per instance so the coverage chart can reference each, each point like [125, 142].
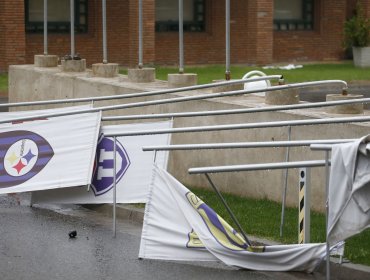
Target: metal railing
[246, 126]
[157, 92]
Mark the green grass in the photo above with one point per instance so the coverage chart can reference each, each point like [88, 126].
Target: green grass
[310, 72]
[3, 82]
[262, 218]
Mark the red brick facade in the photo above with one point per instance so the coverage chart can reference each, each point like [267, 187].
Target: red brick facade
[253, 40]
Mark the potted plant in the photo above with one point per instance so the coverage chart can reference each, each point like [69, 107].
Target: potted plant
[357, 37]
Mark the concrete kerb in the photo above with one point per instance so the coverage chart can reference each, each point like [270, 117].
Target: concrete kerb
[132, 213]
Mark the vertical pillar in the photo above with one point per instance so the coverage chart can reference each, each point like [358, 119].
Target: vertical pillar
[260, 31]
[148, 32]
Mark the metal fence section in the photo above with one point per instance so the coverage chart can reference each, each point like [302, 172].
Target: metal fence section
[237, 111]
[247, 126]
[157, 92]
[244, 145]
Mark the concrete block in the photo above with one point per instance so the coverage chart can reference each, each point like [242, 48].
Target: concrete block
[41, 60]
[74, 65]
[105, 70]
[282, 97]
[144, 75]
[227, 87]
[345, 109]
[182, 80]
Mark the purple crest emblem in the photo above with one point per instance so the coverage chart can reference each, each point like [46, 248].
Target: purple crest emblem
[23, 155]
[104, 163]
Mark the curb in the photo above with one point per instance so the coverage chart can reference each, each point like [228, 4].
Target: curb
[338, 271]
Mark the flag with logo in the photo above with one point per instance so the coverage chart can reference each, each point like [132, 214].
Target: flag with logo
[133, 168]
[49, 153]
[180, 226]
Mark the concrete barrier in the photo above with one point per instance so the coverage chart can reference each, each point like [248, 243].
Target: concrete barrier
[28, 83]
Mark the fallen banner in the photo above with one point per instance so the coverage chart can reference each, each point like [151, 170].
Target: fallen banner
[133, 171]
[48, 153]
[180, 226]
[37, 113]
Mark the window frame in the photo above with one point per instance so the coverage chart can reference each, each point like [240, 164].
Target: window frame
[308, 23]
[196, 25]
[58, 26]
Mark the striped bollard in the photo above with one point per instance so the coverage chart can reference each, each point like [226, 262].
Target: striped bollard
[304, 206]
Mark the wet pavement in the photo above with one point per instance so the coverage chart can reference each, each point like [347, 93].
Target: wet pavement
[34, 244]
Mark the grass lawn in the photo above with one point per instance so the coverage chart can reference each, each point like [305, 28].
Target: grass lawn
[262, 218]
[3, 82]
[310, 72]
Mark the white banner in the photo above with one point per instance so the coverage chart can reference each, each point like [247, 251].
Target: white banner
[180, 226]
[20, 114]
[49, 153]
[133, 170]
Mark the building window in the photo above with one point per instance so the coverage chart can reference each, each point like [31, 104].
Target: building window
[167, 15]
[293, 14]
[58, 16]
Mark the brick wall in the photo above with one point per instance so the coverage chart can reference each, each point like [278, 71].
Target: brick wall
[89, 45]
[253, 40]
[323, 43]
[12, 40]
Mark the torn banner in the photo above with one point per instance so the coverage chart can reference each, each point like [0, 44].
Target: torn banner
[49, 153]
[133, 170]
[349, 190]
[180, 226]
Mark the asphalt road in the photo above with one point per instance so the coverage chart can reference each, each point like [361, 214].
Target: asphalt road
[34, 245]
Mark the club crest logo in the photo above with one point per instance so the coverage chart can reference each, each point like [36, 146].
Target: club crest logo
[219, 229]
[104, 163]
[24, 154]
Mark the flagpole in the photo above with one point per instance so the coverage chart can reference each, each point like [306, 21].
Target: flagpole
[228, 209]
[45, 27]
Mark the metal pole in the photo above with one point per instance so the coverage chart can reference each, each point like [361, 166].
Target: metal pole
[327, 174]
[45, 27]
[140, 34]
[282, 220]
[227, 73]
[181, 36]
[244, 145]
[228, 209]
[114, 187]
[104, 9]
[72, 8]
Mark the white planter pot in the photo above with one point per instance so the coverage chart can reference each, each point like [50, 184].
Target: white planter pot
[361, 56]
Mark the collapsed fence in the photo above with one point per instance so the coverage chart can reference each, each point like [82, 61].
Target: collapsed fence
[214, 128]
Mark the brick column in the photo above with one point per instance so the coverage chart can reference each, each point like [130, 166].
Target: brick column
[260, 30]
[148, 32]
[12, 29]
